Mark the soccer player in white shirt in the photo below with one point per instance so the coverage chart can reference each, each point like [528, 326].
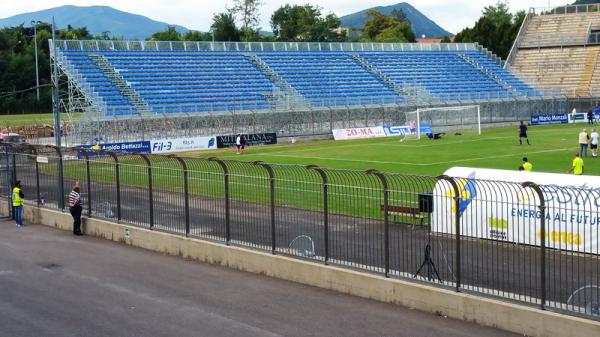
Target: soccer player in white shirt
[594, 143]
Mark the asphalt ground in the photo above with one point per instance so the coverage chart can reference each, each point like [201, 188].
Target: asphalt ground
[55, 284]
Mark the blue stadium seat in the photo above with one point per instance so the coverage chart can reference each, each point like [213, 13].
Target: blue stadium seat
[197, 81]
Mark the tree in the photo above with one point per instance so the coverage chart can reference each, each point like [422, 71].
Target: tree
[194, 35]
[398, 13]
[496, 29]
[305, 23]
[17, 68]
[105, 35]
[71, 33]
[169, 34]
[387, 28]
[224, 28]
[249, 14]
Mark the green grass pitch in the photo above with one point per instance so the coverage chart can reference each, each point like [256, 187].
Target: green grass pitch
[18, 120]
[552, 150]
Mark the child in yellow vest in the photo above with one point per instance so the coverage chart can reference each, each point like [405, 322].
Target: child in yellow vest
[17, 203]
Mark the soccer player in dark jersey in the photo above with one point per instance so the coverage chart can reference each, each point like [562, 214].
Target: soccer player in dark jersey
[523, 133]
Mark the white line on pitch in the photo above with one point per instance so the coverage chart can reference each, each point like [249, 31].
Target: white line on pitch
[499, 156]
[340, 159]
[414, 164]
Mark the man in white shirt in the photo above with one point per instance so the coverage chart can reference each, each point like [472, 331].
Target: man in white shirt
[584, 139]
[594, 143]
[75, 207]
[240, 143]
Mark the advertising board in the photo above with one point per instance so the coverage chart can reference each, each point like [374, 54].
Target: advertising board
[391, 131]
[581, 117]
[129, 147]
[358, 133]
[547, 119]
[183, 144]
[509, 212]
[251, 139]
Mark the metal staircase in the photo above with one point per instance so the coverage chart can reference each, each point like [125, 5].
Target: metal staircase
[414, 93]
[583, 89]
[489, 74]
[126, 90]
[76, 80]
[82, 98]
[284, 97]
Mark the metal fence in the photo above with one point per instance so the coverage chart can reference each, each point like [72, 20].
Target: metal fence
[569, 9]
[140, 45]
[396, 225]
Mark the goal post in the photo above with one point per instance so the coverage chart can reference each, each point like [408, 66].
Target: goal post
[443, 119]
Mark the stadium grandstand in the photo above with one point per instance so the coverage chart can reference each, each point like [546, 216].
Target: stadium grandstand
[557, 49]
[135, 90]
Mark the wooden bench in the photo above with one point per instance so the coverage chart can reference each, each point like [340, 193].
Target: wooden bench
[398, 210]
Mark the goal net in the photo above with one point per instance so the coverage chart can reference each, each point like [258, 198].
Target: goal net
[443, 119]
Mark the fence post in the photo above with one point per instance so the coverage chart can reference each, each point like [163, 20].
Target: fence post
[88, 179]
[37, 176]
[14, 167]
[226, 191]
[61, 183]
[542, 208]
[456, 198]
[186, 192]
[118, 181]
[386, 222]
[150, 188]
[323, 175]
[11, 176]
[272, 192]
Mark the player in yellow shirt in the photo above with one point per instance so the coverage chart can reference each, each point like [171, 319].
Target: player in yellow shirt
[577, 167]
[527, 166]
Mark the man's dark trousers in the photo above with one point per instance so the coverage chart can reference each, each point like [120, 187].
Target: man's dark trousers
[76, 213]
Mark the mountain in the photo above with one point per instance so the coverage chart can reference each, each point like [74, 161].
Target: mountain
[421, 24]
[97, 19]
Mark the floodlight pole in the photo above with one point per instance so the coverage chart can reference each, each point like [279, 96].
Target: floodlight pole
[37, 73]
[55, 96]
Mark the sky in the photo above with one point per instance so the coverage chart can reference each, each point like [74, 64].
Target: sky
[453, 15]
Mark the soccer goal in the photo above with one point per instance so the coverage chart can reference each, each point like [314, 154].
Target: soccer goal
[443, 119]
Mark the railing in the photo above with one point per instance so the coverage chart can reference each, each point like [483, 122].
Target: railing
[414, 94]
[286, 97]
[561, 10]
[593, 38]
[133, 45]
[352, 219]
[333, 102]
[124, 87]
[588, 32]
[489, 54]
[553, 40]
[518, 40]
[79, 81]
[491, 75]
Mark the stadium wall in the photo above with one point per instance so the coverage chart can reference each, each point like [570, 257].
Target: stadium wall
[516, 318]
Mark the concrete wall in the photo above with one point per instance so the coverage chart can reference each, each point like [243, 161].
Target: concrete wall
[517, 318]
